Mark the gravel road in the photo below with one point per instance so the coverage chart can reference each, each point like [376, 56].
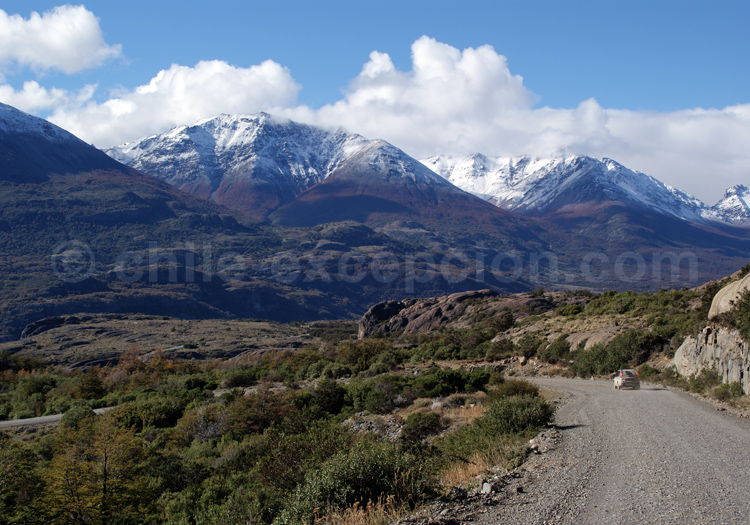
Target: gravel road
[651, 456]
[43, 420]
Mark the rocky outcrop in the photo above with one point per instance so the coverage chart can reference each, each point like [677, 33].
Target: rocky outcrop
[48, 323]
[415, 315]
[716, 348]
[726, 297]
[600, 336]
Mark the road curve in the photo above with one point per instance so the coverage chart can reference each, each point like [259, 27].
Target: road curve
[653, 456]
[42, 420]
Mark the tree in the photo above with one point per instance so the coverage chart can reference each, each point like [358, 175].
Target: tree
[20, 484]
[90, 385]
[95, 476]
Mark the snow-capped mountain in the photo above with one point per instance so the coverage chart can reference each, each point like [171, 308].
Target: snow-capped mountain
[31, 148]
[252, 163]
[257, 163]
[544, 186]
[735, 206]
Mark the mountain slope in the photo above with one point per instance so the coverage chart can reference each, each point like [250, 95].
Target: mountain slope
[377, 182]
[544, 187]
[250, 163]
[32, 148]
[80, 232]
[96, 236]
[575, 208]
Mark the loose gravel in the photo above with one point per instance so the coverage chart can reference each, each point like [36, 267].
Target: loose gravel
[654, 455]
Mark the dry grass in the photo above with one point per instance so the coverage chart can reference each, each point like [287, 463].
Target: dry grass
[375, 513]
[461, 416]
[508, 454]
[459, 409]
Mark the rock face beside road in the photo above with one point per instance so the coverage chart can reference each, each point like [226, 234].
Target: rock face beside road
[719, 348]
[725, 298]
[716, 347]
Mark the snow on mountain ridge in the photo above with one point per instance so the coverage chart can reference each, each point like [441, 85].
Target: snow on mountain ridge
[735, 206]
[13, 120]
[531, 185]
[387, 159]
[281, 158]
[258, 147]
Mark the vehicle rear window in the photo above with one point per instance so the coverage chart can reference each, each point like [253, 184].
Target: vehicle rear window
[628, 373]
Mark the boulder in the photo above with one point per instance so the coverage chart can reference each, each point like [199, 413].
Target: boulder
[726, 297]
[489, 488]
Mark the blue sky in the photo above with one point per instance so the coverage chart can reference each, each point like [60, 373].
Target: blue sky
[658, 85]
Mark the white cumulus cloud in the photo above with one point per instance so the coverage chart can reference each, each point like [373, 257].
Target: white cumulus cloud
[179, 95]
[66, 38]
[32, 97]
[450, 97]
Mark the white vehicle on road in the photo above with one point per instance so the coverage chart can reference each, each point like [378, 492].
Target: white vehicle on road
[627, 378]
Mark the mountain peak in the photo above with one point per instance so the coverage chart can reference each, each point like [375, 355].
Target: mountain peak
[735, 206]
[252, 163]
[739, 190]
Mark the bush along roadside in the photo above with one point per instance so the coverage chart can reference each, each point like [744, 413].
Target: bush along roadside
[260, 452]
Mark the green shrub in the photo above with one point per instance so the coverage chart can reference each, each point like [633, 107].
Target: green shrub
[200, 383]
[90, 385]
[157, 411]
[502, 321]
[515, 414]
[513, 387]
[530, 344]
[329, 396]
[256, 412]
[647, 371]
[557, 351]
[721, 392]
[477, 379]
[735, 389]
[367, 472]
[15, 362]
[360, 355]
[379, 402]
[741, 311]
[242, 377]
[292, 457]
[75, 415]
[727, 391]
[500, 349]
[569, 310]
[703, 381]
[377, 369]
[440, 383]
[490, 432]
[628, 350]
[419, 425]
